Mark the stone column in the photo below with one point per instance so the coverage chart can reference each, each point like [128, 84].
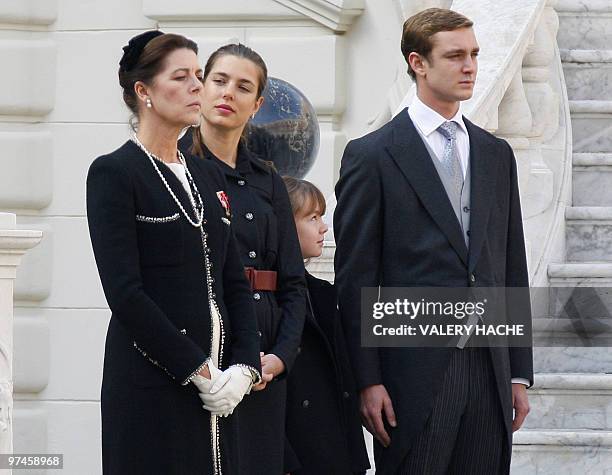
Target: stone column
[13, 244]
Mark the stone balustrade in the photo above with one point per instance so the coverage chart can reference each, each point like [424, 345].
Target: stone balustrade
[13, 245]
[520, 95]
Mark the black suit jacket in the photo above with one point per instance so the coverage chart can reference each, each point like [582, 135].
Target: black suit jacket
[152, 272]
[394, 227]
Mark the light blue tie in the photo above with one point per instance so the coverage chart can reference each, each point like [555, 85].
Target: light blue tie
[450, 158]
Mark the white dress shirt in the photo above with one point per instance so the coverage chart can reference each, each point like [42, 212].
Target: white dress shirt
[179, 170]
[427, 121]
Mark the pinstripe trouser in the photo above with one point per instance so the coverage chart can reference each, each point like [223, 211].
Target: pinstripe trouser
[465, 433]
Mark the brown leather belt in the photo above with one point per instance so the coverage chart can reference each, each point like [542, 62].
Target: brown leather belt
[261, 279]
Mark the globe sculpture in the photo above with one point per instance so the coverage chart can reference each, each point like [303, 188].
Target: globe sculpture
[285, 131]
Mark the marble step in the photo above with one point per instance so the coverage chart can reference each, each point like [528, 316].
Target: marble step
[582, 6]
[591, 125]
[588, 232]
[572, 359]
[588, 73]
[586, 56]
[567, 452]
[584, 24]
[582, 331]
[572, 317]
[591, 107]
[575, 313]
[592, 179]
[570, 401]
[584, 274]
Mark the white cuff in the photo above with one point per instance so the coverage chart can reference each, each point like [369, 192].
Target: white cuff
[521, 381]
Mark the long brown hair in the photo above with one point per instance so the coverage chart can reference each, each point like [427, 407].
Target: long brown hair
[241, 51]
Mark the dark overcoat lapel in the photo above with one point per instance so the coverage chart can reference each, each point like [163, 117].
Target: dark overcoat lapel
[319, 295]
[413, 159]
[482, 171]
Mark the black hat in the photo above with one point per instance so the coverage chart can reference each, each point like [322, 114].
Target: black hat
[133, 50]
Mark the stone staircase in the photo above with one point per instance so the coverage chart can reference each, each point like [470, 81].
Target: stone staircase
[569, 430]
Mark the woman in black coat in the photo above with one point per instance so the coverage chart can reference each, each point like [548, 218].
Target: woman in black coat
[323, 425]
[181, 308]
[234, 79]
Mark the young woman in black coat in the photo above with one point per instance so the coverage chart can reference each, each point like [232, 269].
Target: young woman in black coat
[234, 80]
[323, 424]
[182, 311]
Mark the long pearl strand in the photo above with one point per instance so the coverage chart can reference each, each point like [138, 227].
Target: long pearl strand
[199, 214]
[215, 314]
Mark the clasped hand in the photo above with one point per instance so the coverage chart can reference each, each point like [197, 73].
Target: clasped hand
[271, 366]
[224, 390]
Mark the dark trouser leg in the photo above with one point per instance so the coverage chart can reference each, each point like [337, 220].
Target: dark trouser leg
[432, 449]
[465, 432]
[481, 441]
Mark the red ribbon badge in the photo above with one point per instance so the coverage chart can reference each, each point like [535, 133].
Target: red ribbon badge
[224, 200]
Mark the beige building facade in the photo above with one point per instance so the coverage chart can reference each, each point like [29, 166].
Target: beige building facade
[545, 85]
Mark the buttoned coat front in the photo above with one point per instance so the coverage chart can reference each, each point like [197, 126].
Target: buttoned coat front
[267, 240]
[323, 423]
[151, 264]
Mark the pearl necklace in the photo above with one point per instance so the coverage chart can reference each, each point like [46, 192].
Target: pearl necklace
[198, 209]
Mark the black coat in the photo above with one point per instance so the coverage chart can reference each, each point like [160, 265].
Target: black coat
[323, 423]
[152, 272]
[394, 227]
[263, 223]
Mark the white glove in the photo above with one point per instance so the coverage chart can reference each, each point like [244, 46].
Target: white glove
[227, 391]
[203, 384]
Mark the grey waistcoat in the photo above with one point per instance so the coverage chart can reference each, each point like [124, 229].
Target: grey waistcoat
[461, 207]
[459, 202]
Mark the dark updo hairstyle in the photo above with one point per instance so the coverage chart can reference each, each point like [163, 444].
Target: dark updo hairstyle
[240, 51]
[143, 58]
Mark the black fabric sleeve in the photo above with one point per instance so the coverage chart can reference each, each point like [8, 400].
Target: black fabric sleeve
[517, 274]
[357, 262]
[290, 279]
[112, 227]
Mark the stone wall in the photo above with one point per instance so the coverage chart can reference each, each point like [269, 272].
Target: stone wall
[60, 107]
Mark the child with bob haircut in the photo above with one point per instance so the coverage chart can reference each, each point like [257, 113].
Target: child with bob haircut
[324, 434]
